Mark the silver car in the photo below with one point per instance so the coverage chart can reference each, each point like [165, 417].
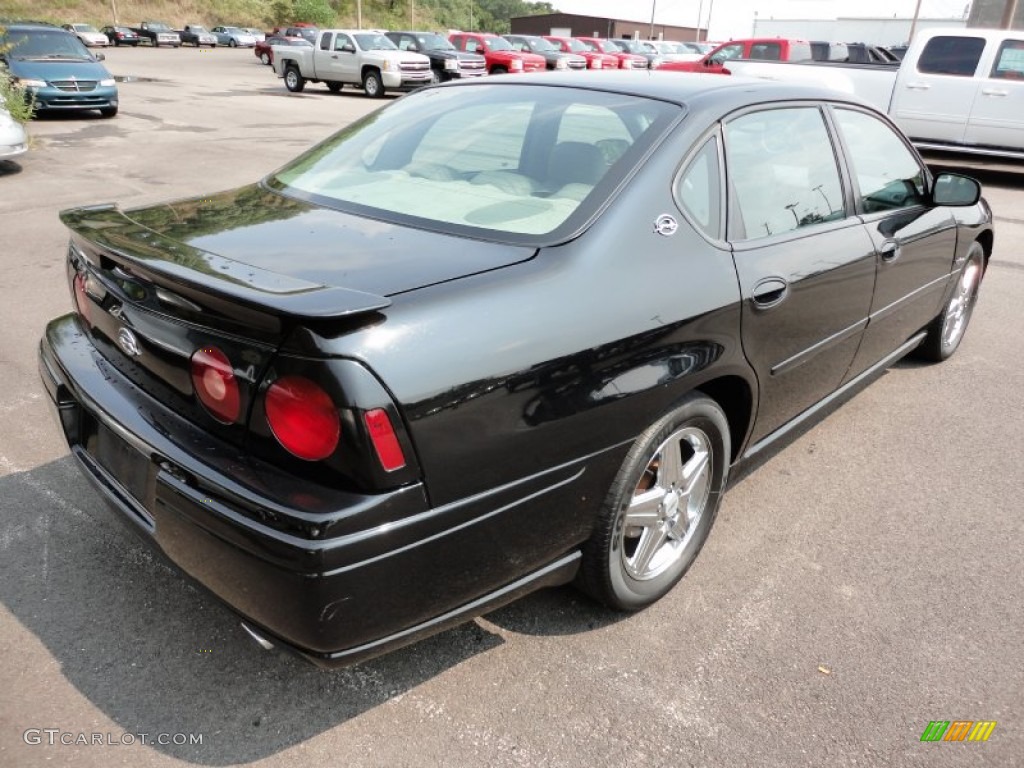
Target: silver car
[234, 37]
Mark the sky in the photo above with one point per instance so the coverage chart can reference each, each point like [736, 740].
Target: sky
[735, 18]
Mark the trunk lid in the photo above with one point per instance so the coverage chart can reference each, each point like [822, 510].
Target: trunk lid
[239, 271]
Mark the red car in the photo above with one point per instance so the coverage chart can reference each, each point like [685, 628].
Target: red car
[760, 49]
[500, 56]
[625, 60]
[595, 59]
[265, 53]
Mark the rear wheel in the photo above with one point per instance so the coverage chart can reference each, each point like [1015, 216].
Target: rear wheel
[660, 507]
[293, 80]
[334, 87]
[265, 58]
[947, 330]
[232, 43]
[372, 84]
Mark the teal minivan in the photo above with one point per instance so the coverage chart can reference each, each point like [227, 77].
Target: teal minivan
[60, 73]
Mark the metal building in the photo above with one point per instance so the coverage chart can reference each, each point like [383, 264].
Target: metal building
[575, 25]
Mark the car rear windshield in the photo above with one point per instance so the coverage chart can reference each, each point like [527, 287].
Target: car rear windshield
[518, 163]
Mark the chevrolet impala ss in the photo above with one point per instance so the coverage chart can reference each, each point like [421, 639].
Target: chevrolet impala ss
[496, 336]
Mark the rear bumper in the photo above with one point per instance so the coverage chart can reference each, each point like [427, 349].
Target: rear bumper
[399, 570]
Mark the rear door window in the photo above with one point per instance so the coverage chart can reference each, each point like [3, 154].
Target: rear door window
[782, 172]
[1010, 60]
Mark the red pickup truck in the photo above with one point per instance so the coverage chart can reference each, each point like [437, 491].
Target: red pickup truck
[501, 58]
[595, 59]
[757, 48]
[625, 60]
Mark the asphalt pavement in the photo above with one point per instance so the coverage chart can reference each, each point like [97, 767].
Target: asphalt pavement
[864, 581]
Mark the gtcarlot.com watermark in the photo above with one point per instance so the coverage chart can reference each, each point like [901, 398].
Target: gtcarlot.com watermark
[55, 737]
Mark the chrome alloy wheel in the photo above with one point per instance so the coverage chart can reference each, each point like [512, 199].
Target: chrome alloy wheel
[958, 311]
[670, 499]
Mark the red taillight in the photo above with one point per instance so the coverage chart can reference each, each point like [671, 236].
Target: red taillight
[215, 384]
[385, 441]
[303, 418]
[82, 298]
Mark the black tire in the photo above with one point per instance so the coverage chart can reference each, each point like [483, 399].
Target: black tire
[435, 77]
[293, 79]
[372, 84]
[947, 330]
[109, 112]
[232, 43]
[265, 58]
[334, 86]
[660, 507]
[117, 43]
[499, 71]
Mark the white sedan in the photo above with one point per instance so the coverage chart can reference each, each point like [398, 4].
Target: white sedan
[13, 139]
[88, 34]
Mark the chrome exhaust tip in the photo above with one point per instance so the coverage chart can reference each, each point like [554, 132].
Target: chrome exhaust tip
[260, 639]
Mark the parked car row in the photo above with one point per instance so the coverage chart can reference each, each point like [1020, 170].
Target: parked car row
[157, 33]
[405, 59]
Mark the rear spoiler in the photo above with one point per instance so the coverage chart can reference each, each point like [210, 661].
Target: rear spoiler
[110, 229]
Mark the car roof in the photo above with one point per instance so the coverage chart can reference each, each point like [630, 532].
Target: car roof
[686, 88]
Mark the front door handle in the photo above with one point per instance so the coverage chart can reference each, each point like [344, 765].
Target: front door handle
[890, 250]
[994, 92]
[769, 292]
[918, 86]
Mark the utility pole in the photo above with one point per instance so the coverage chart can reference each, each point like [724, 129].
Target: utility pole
[654, 5]
[913, 24]
[1009, 11]
[359, 14]
[113, 10]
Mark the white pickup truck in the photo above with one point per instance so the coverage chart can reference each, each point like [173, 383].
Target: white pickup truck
[354, 57]
[959, 90]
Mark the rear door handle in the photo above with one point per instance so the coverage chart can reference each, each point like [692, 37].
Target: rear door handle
[769, 292]
[918, 86]
[890, 250]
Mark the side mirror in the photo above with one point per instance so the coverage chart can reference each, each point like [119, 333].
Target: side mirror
[955, 189]
[100, 57]
[348, 48]
[413, 47]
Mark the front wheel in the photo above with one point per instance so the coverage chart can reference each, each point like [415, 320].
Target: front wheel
[660, 507]
[372, 84]
[232, 43]
[294, 81]
[109, 111]
[435, 76]
[265, 58]
[947, 330]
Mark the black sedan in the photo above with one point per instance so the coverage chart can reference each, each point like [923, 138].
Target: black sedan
[496, 336]
[121, 36]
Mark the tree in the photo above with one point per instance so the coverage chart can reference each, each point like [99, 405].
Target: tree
[315, 12]
[15, 99]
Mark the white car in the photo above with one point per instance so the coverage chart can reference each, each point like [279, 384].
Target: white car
[13, 139]
[88, 34]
